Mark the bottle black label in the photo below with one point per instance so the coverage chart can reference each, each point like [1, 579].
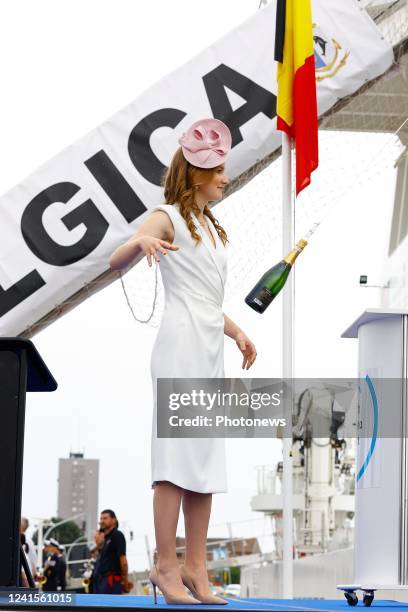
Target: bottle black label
[264, 297]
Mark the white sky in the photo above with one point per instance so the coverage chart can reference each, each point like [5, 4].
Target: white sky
[66, 67]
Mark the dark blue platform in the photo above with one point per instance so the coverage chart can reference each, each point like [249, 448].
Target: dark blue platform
[90, 602]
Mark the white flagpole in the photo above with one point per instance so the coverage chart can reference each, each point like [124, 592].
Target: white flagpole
[287, 364]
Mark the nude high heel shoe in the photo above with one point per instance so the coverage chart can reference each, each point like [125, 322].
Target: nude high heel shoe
[170, 599]
[207, 599]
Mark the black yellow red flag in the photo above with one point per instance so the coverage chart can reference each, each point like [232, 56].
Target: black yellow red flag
[297, 102]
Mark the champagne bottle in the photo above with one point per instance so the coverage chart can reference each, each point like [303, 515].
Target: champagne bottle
[269, 285]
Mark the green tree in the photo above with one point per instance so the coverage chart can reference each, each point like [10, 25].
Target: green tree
[65, 533]
[235, 575]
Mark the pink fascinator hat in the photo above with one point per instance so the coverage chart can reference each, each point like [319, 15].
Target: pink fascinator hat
[206, 143]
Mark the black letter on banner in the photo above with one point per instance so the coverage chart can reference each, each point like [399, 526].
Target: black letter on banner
[260, 100]
[116, 186]
[17, 293]
[139, 148]
[42, 245]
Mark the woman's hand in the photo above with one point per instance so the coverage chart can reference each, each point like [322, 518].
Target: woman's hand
[247, 348]
[150, 245]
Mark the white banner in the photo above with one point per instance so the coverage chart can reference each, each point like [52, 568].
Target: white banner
[60, 225]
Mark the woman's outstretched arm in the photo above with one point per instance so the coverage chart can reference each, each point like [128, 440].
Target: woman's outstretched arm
[154, 234]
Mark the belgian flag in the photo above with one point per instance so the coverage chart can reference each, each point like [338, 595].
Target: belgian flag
[296, 103]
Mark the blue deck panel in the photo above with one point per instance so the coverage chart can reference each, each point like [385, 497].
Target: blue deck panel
[292, 605]
[145, 602]
[253, 603]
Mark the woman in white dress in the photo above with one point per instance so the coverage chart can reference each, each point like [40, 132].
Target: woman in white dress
[189, 343]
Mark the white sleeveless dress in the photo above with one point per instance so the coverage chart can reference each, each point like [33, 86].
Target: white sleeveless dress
[190, 343]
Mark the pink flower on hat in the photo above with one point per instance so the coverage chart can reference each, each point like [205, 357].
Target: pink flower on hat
[206, 143]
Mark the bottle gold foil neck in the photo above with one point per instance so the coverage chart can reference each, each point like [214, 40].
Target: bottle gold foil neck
[300, 245]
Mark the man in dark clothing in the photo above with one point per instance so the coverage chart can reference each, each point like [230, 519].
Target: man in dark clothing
[54, 567]
[111, 574]
[96, 553]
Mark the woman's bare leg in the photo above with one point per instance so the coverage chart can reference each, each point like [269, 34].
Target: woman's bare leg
[197, 510]
[166, 510]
